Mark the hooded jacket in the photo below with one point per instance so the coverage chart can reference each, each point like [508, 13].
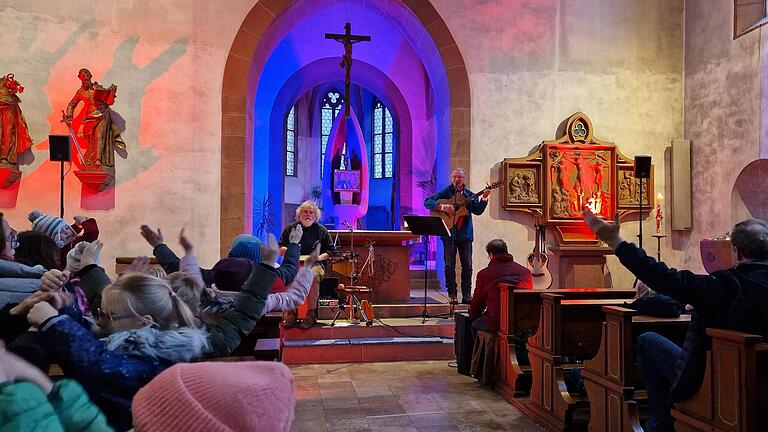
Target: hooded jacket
[17, 281]
[113, 369]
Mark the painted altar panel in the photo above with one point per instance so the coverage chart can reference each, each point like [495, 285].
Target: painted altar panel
[522, 184]
[579, 177]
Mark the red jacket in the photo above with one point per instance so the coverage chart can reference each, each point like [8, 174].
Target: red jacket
[502, 268]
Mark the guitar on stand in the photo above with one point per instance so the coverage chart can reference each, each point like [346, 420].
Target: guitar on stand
[460, 206]
[538, 261]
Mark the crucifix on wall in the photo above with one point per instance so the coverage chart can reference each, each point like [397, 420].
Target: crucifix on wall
[347, 39]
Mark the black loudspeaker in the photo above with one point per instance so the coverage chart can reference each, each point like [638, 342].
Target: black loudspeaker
[60, 148]
[642, 168]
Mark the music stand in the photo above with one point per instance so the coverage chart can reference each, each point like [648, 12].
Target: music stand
[426, 226]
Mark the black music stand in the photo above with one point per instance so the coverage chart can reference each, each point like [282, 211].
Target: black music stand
[426, 226]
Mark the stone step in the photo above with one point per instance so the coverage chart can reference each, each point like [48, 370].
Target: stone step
[353, 350]
[409, 310]
[386, 327]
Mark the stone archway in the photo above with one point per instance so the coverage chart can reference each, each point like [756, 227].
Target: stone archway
[235, 110]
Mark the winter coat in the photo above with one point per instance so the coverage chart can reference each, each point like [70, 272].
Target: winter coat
[486, 301]
[477, 206]
[17, 281]
[113, 369]
[235, 324]
[734, 299]
[25, 407]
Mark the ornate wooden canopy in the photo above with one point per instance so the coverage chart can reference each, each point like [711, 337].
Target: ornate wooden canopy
[561, 178]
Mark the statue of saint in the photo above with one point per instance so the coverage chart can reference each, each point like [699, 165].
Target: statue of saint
[14, 134]
[93, 126]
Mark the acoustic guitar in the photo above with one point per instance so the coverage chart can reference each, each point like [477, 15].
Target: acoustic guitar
[460, 206]
[538, 260]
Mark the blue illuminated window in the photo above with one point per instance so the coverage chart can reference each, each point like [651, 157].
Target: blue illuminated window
[329, 109]
[382, 157]
[290, 143]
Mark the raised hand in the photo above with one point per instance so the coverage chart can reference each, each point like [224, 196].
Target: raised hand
[53, 280]
[138, 265]
[295, 235]
[609, 233]
[22, 309]
[313, 258]
[152, 237]
[270, 250]
[185, 243]
[91, 253]
[40, 313]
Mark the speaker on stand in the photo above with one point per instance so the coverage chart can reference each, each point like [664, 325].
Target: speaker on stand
[60, 151]
[641, 170]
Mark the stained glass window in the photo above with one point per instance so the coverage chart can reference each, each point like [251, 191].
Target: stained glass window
[329, 109]
[290, 143]
[382, 158]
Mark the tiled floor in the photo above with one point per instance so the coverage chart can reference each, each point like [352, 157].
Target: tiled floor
[403, 396]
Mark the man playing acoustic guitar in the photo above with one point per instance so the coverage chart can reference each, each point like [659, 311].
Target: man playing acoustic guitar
[449, 201]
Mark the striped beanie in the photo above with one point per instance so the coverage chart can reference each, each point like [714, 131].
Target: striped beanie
[217, 397]
[246, 246]
[46, 224]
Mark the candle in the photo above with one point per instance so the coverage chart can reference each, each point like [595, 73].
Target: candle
[659, 215]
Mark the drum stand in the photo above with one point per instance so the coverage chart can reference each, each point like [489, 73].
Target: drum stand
[363, 308]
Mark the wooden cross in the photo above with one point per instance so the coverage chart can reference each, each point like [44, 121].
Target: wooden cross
[347, 39]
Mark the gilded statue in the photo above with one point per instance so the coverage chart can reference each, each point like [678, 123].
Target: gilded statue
[93, 127]
[14, 133]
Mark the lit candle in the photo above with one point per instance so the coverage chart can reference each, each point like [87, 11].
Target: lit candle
[659, 215]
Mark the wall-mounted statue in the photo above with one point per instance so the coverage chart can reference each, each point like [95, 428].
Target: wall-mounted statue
[14, 134]
[95, 136]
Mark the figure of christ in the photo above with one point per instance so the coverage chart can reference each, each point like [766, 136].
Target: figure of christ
[347, 39]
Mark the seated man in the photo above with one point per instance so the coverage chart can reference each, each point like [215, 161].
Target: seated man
[485, 301]
[312, 234]
[735, 299]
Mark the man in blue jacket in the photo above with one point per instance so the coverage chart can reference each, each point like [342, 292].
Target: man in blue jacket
[462, 234]
[735, 299]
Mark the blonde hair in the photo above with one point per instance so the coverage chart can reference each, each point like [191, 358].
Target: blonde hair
[307, 204]
[145, 295]
[187, 288]
[156, 271]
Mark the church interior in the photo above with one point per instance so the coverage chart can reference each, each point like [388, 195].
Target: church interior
[384, 215]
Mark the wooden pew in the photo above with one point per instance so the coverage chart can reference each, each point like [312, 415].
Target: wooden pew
[568, 333]
[612, 378]
[734, 394]
[520, 310]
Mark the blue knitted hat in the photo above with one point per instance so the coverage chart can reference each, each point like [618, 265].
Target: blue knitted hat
[246, 246]
[46, 224]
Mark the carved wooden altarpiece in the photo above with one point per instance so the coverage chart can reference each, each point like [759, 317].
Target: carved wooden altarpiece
[561, 178]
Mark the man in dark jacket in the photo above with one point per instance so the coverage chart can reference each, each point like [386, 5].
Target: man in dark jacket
[735, 299]
[462, 233]
[485, 309]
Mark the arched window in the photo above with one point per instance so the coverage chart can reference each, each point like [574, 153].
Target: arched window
[382, 157]
[290, 143]
[329, 109]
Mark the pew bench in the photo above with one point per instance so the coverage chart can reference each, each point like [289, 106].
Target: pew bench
[734, 394]
[568, 333]
[519, 319]
[612, 378]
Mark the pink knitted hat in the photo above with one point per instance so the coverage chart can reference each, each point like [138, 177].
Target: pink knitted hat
[217, 396]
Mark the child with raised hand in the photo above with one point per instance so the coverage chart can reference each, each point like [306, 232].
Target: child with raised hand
[145, 328]
[30, 401]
